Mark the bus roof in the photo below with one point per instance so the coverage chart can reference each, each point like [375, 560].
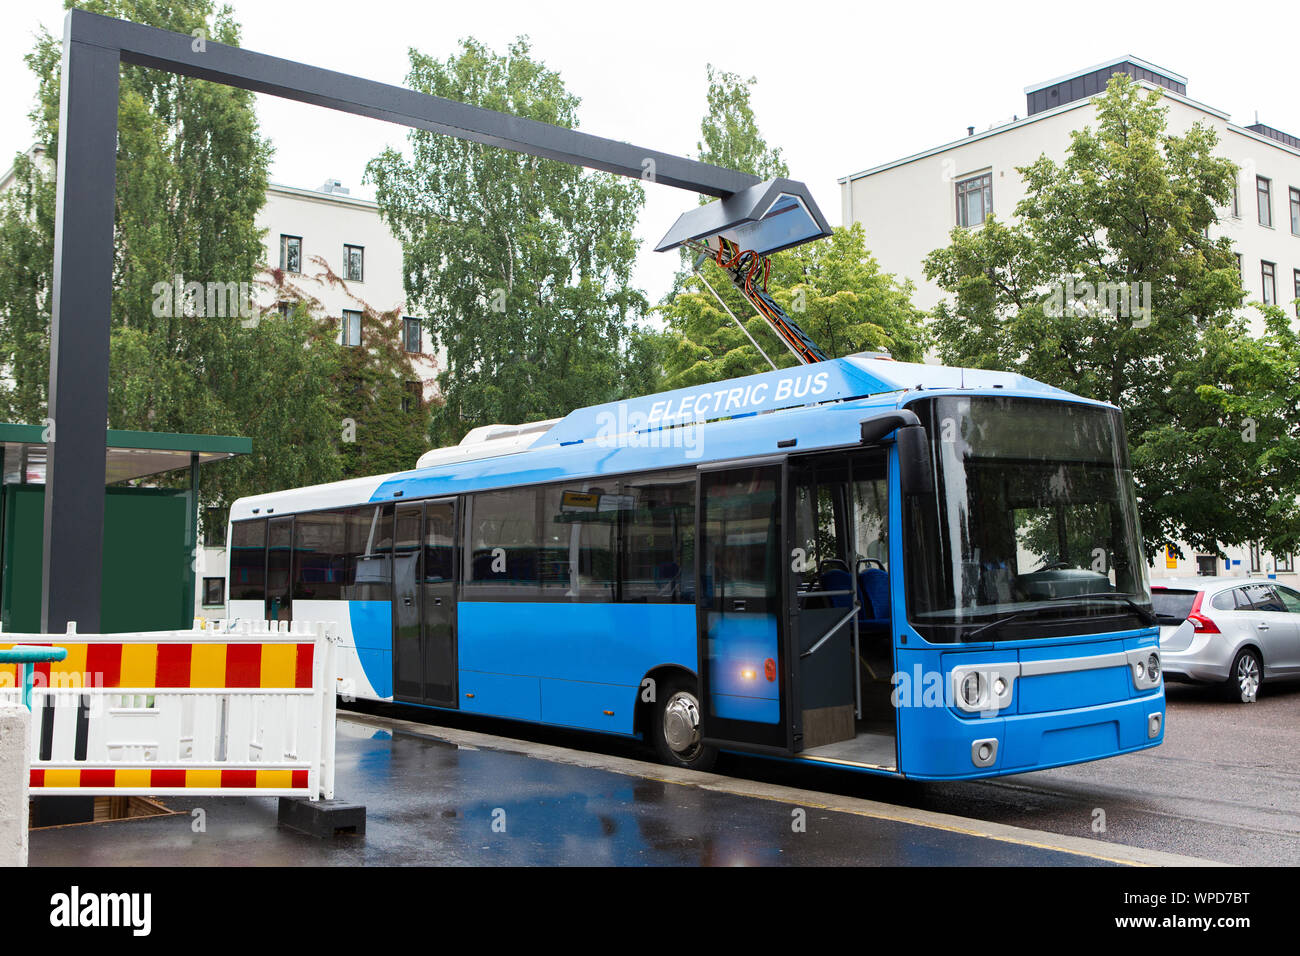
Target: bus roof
[787, 410]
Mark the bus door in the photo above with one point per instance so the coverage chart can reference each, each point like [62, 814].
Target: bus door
[424, 603]
[839, 587]
[823, 600]
[745, 671]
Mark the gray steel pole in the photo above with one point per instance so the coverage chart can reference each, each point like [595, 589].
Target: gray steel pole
[79, 336]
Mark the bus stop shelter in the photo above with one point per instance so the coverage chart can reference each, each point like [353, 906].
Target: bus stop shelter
[150, 532]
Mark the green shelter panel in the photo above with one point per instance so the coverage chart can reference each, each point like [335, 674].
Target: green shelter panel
[148, 580]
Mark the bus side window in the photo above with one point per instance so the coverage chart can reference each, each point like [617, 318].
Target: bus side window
[368, 574]
[501, 548]
[248, 560]
[319, 542]
[658, 560]
[578, 541]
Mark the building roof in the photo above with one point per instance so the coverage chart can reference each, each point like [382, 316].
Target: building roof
[128, 454]
[1104, 64]
[1252, 133]
[319, 195]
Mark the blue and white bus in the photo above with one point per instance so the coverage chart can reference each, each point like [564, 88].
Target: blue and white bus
[904, 569]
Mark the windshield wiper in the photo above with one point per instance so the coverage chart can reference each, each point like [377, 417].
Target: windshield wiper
[1146, 615]
[996, 622]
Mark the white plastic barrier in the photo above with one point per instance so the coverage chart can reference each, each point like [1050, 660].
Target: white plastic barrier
[233, 708]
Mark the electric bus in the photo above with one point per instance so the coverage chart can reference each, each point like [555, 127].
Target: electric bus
[904, 569]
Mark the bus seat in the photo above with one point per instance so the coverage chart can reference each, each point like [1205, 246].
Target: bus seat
[873, 585]
[837, 579]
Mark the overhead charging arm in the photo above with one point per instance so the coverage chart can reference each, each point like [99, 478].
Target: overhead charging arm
[739, 233]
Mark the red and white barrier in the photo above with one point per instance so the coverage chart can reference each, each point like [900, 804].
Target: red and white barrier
[234, 708]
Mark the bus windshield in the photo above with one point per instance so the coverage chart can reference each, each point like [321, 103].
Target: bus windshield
[1032, 525]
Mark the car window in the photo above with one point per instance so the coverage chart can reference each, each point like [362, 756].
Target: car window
[1262, 598]
[1226, 600]
[1171, 607]
[1290, 598]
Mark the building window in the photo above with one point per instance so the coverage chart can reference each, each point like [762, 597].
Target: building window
[1295, 210]
[1207, 565]
[214, 592]
[1284, 563]
[411, 335]
[974, 200]
[351, 328]
[1296, 274]
[1254, 557]
[1268, 278]
[284, 308]
[1264, 193]
[1236, 201]
[291, 253]
[414, 396]
[214, 527]
[354, 262]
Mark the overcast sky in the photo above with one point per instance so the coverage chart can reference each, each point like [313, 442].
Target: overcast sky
[841, 87]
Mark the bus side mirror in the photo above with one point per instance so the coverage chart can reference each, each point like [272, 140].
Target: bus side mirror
[915, 470]
[916, 473]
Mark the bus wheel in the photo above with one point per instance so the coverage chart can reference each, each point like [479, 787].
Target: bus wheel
[676, 729]
[1245, 677]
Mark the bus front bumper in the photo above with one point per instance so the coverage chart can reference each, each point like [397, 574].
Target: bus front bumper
[962, 749]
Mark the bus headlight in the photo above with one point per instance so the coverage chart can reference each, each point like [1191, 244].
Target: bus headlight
[970, 689]
[982, 689]
[1144, 666]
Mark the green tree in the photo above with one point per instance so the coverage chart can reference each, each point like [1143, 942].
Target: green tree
[191, 176]
[1243, 466]
[523, 265]
[729, 135]
[1107, 285]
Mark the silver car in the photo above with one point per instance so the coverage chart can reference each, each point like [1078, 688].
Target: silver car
[1231, 631]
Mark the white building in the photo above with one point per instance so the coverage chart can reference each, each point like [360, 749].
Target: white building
[35, 152]
[313, 234]
[909, 207]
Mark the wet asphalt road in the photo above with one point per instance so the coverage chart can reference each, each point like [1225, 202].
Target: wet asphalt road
[1224, 787]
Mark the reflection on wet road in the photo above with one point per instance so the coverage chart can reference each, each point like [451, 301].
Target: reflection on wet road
[431, 802]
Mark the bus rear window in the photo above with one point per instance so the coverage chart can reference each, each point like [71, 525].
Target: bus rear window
[1172, 607]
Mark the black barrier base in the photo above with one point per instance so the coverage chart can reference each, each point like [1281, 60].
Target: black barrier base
[322, 818]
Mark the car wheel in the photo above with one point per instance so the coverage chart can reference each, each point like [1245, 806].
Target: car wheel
[676, 728]
[1246, 676]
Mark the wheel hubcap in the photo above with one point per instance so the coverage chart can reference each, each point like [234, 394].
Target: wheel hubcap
[682, 723]
[1248, 677]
